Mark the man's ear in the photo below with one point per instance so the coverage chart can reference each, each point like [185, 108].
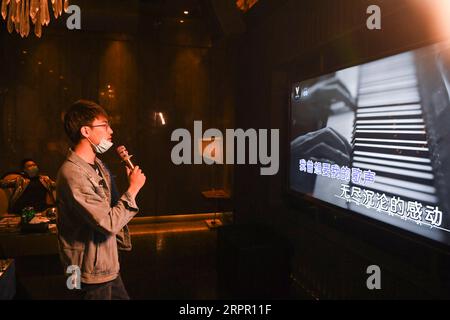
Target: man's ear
[84, 131]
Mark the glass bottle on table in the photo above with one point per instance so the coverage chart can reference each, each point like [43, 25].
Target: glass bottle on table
[28, 213]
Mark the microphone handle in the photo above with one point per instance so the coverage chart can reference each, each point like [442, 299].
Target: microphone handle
[129, 164]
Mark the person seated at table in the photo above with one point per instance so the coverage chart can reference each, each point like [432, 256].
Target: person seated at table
[29, 188]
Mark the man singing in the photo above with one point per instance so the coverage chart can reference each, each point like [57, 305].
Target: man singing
[91, 227]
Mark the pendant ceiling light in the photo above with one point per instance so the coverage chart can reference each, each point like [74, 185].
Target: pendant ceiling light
[18, 14]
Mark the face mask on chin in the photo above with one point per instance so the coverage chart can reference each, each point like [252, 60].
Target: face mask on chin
[102, 147]
[32, 172]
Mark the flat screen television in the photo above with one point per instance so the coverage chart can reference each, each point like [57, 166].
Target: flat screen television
[375, 139]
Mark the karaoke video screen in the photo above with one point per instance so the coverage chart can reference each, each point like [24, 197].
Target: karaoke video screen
[375, 139]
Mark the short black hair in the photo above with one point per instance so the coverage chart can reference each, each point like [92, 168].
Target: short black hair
[23, 161]
[81, 113]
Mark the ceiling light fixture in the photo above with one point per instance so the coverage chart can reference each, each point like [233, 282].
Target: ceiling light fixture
[17, 14]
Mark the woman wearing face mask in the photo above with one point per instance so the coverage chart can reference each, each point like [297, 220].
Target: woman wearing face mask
[30, 189]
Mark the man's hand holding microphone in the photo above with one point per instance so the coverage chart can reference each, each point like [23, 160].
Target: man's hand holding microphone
[136, 177]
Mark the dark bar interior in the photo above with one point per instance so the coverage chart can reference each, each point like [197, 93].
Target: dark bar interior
[178, 83]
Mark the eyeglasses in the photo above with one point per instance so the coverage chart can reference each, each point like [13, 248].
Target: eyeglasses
[105, 125]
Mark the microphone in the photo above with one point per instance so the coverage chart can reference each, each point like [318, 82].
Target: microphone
[123, 154]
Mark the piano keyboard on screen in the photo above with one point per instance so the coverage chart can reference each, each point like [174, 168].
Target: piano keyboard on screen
[390, 136]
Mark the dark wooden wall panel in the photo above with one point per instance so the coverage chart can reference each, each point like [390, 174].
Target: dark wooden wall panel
[169, 67]
[301, 39]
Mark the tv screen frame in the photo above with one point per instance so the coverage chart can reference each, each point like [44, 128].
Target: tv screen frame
[337, 215]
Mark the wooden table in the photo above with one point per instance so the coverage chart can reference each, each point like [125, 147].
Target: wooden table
[15, 243]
